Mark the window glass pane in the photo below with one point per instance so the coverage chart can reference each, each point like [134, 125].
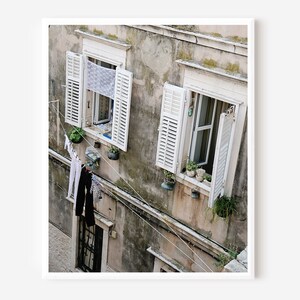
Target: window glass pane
[107, 65]
[206, 112]
[103, 112]
[102, 109]
[202, 138]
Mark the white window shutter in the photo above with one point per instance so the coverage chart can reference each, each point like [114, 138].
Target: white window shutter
[121, 113]
[73, 105]
[170, 127]
[222, 153]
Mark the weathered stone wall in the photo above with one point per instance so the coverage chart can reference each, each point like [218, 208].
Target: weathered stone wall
[152, 61]
[60, 209]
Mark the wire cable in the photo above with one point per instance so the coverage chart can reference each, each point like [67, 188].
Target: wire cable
[140, 197]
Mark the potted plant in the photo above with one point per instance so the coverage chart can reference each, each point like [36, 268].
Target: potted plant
[169, 181]
[207, 179]
[191, 168]
[200, 174]
[113, 153]
[76, 135]
[224, 206]
[195, 194]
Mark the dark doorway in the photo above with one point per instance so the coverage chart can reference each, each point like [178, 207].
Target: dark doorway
[89, 247]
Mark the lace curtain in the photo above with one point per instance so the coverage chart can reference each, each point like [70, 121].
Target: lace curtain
[101, 80]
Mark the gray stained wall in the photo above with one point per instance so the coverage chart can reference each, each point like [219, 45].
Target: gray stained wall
[151, 59]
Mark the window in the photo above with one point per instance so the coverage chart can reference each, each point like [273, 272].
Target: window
[98, 97]
[102, 105]
[206, 134]
[205, 129]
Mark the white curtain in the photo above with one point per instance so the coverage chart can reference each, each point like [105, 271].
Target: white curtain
[101, 80]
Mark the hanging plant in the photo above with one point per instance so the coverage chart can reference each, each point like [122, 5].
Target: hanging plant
[76, 135]
[191, 168]
[195, 194]
[207, 179]
[169, 181]
[224, 206]
[113, 153]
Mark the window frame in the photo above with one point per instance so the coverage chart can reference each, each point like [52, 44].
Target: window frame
[113, 54]
[96, 108]
[185, 135]
[197, 128]
[96, 96]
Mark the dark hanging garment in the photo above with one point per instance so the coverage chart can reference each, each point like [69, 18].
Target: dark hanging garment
[85, 196]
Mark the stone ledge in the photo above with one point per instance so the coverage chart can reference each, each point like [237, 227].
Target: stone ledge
[196, 38]
[234, 266]
[240, 264]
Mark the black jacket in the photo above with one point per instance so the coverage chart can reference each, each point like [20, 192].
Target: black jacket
[84, 194]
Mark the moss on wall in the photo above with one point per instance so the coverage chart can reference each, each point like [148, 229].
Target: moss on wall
[138, 236]
[152, 61]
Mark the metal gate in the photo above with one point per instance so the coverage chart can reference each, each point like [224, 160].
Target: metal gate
[89, 247]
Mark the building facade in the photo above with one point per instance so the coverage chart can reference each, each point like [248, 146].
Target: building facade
[171, 99]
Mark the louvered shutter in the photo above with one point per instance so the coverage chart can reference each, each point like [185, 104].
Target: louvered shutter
[221, 156]
[170, 127]
[73, 103]
[121, 113]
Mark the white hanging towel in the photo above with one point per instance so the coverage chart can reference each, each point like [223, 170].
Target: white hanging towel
[75, 172]
[75, 169]
[77, 177]
[68, 146]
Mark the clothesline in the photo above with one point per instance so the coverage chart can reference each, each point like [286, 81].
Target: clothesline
[142, 199]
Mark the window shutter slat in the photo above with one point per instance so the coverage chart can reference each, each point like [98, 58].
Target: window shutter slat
[221, 156]
[170, 127]
[73, 89]
[121, 114]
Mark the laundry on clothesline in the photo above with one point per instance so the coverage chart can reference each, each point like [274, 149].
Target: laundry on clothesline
[74, 178]
[96, 188]
[75, 169]
[85, 197]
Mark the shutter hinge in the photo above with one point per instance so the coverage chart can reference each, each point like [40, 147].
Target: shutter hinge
[185, 98]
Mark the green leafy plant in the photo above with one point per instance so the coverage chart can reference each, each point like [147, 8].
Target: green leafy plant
[207, 177]
[224, 259]
[224, 206]
[76, 135]
[169, 181]
[114, 149]
[169, 176]
[191, 166]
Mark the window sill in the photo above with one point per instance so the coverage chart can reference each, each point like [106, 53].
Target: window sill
[96, 135]
[192, 182]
